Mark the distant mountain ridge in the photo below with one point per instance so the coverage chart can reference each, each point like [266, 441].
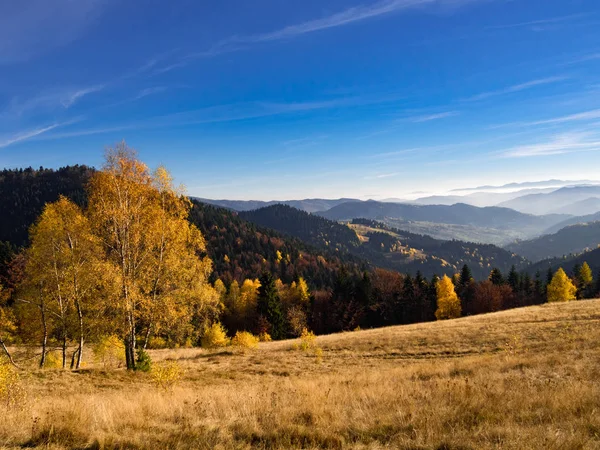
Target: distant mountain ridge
[547, 203]
[460, 214]
[383, 246]
[309, 205]
[569, 240]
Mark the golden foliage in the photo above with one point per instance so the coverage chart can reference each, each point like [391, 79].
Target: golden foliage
[109, 351]
[245, 340]
[561, 288]
[11, 388]
[264, 337]
[448, 303]
[307, 340]
[215, 336]
[166, 374]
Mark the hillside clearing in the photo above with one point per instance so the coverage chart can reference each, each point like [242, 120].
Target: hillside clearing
[524, 378]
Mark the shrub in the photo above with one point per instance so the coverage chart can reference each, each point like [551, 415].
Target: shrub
[319, 354]
[11, 388]
[215, 336]
[245, 340]
[264, 337]
[166, 374]
[53, 360]
[143, 362]
[157, 342]
[307, 340]
[109, 351]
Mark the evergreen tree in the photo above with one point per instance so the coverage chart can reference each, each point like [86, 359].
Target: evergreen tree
[496, 277]
[513, 279]
[465, 276]
[408, 300]
[269, 306]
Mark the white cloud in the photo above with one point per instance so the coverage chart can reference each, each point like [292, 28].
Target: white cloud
[517, 88]
[48, 101]
[23, 136]
[558, 145]
[348, 16]
[430, 117]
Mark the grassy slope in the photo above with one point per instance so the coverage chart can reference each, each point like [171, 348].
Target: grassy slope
[515, 379]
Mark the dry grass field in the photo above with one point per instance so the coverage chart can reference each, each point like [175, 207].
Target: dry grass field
[520, 379]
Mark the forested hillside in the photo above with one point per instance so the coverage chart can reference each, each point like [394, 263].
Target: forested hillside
[384, 246]
[573, 239]
[24, 192]
[241, 250]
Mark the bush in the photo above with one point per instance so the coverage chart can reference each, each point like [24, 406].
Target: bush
[11, 388]
[156, 342]
[143, 362]
[109, 351]
[245, 340]
[215, 336]
[53, 360]
[166, 374]
[307, 340]
[264, 337]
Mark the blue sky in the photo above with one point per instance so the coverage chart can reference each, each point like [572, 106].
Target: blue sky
[284, 99]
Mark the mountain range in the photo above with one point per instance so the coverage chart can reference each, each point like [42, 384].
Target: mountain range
[309, 204]
[384, 246]
[572, 239]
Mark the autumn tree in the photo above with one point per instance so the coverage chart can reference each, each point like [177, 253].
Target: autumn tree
[448, 303]
[7, 326]
[561, 288]
[584, 280]
[64, 266]
[149, 244]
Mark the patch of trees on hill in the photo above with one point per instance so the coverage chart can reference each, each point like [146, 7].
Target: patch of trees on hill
[390, 249]
[241, 250]
[24, 192]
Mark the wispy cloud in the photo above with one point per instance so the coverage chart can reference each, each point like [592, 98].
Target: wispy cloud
[430, 117]
[380, 176]
[25, 135]
[346, 17]
[577, 117]
[517, 88]
[539, 25]
[558, 145]
[225, 113]
[150, 91]
[48, 101]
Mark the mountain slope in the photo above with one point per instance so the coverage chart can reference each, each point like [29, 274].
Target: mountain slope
[497, 218]
[547, 203]
[239, 249]
[573, 221]
[383, 246]
[570, 240]
[24, 192]
[568, 263]
[312, 229]
[580, 208]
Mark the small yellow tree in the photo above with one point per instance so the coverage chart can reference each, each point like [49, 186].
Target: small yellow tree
[561, 288]
[448, 303]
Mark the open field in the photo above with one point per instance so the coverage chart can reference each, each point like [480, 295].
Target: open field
[516, 379]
